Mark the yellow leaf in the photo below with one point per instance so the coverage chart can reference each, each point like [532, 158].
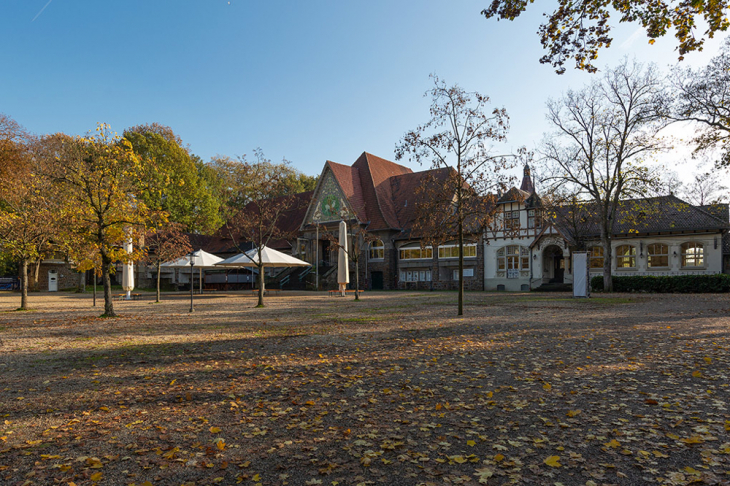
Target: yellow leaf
[613, 443]
[470, 443]
[573, 413]
[695, 439]
[221, 444]
[697, 374]
[552, 461]
[96, 476]
[659, 454]
[214, 430]
[708, 360]
[438, 406]
[257, 477]
[146, 483]
[547, 387]
[498, 458]
[727, 426]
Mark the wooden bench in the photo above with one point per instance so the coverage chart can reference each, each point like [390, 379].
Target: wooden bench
[124, 296]
[336, 293]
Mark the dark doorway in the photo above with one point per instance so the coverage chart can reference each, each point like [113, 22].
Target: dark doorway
[325, 255]
[559, 269]
[377, 280]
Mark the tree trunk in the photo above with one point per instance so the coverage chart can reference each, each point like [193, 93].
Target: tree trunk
[24, 284]
[82, 282]
[106, 280]
[159, 270]
[261, 287]
[36, 273]
[357, 278]
[607, 257]
[461, 268]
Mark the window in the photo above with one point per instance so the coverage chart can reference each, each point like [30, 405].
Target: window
[416, 253]
[452, 251]
[415, 275]
[534, 219]
[595, 255]
[625, 256]
[377, 250]
[513, 258]
[657, 255]
[511, 220]
[693, 255]
[468, 272]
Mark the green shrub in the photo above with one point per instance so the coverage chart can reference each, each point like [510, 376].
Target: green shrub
[680, 284]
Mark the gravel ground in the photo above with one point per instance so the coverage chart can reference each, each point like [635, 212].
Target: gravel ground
[396, 389]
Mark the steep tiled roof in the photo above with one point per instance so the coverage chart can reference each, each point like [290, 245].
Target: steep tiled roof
[641, 216]
[376, 189]
[513, 195]
[721, 211]
[404, 191]
[527, 180]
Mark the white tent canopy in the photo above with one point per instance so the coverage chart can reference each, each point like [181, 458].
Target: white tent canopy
[202, 260]
[269, 258]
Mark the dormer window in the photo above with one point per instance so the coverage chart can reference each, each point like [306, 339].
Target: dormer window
[511, 220]
[534, 219]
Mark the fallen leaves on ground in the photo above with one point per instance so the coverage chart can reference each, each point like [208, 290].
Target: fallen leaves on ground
[525, 389]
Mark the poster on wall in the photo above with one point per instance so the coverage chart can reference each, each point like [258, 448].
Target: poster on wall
[581, 279]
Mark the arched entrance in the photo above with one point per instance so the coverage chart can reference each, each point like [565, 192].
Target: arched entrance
[553, 264]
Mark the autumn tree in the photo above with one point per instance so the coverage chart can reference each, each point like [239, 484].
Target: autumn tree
[98, 176]
[164, 242]
[29, 209]
[171, 179]
[455, 142]
[603, 135]
[702, 97]
[236, 179]
[260, 220]
[578, 29]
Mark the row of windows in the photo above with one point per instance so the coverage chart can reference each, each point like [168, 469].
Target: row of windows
[657, 256]
[512, 219]
[418, 253]
[425, 275]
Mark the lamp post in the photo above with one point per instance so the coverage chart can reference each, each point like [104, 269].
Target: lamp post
[192, 264]
[316, 258]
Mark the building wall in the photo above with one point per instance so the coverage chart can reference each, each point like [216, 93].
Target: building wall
[67, 277]
[712, 255]
[442, 270]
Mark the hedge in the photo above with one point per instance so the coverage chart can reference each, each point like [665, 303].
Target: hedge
[681, 284]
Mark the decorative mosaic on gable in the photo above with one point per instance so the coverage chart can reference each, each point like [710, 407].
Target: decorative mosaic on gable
[330, 204]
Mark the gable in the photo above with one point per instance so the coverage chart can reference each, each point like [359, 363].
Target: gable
[329, 203]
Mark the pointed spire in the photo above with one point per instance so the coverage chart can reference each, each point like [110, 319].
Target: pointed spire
[527, 185]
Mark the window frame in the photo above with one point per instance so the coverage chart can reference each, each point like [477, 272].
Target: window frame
[428, 251]
[695, 245]
[593, 257]
[513, 257]
[653, 255]
[631, 257]
[380, 249]
[510, 221]
[451, 248]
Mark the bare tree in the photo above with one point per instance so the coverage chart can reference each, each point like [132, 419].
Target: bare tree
[603, 135]
[166, 242]
[703, 97]
[259, 221]
[455, 141]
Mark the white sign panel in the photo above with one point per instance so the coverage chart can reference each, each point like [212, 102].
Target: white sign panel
[581, 278]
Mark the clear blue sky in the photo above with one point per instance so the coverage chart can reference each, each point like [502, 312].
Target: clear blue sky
[309, 81]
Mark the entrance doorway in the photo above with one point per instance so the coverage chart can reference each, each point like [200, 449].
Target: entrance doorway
[52, 281]
[553, 264]
[377, 280]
